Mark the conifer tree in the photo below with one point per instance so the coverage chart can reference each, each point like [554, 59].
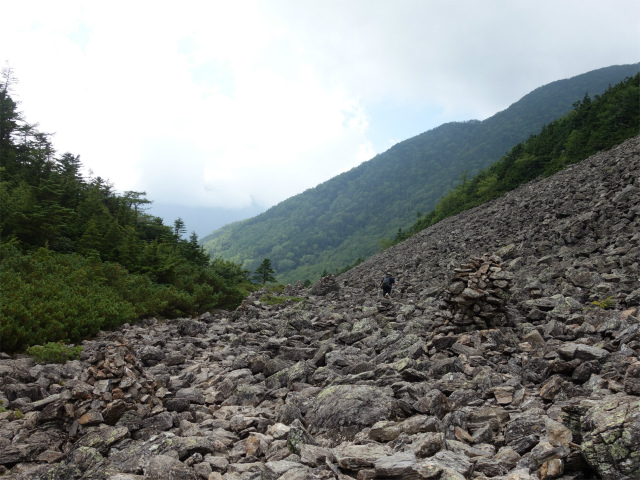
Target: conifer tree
[264, 273]
[91, 239]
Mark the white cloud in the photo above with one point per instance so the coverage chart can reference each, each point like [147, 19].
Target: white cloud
[216, 103]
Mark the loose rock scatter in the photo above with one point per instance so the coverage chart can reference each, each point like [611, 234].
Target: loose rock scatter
[510, 350]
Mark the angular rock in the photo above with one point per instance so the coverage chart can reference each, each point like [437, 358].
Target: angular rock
[399, 465]
[632, 379]
[611, 437]
[325, 285]
[356, 457]
[342, 411]
[163, 467]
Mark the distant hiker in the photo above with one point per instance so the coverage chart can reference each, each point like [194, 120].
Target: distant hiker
[387, 282]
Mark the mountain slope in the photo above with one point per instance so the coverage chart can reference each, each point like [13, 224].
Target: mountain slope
[592, 126]
[523, 377]
[332, 224]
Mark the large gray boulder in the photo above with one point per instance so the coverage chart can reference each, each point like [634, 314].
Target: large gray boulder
[325, 285]
[342, 411]
[611, 437]
[163, 467]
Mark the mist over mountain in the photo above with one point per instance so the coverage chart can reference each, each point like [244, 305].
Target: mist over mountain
[335, 223]
[202, 220]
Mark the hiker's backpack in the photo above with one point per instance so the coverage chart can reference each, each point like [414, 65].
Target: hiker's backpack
[387, 281]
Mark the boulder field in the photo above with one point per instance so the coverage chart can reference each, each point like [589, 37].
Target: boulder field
[508, 350]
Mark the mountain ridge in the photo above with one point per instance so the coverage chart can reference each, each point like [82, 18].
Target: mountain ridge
[332, 224]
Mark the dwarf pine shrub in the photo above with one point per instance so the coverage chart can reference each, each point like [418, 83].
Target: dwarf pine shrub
[273, 300]
[54, 352]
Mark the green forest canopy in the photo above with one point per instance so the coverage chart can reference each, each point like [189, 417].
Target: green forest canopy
[77, 257]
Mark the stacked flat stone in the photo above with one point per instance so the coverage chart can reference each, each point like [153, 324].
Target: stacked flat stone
[478, 294]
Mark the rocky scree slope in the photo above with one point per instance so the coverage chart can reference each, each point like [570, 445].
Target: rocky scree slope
[489, 361]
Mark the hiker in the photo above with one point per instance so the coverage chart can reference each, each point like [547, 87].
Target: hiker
[387, 282]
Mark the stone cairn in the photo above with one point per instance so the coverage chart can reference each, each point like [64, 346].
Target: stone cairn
[325, 285]
[295, 289]
[477, 296]
[114, 383]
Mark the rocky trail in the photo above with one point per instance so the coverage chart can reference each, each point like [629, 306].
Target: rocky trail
[509, 350]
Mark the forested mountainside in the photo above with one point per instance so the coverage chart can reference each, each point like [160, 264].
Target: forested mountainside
[331, 225]
[76, 256]
[509, 350]
[593, 125]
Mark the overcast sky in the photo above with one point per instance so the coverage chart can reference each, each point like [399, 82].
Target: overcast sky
[237, 103]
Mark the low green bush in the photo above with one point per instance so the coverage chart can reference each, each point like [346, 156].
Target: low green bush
[605, 304]
[54, 352]
[276, 288]
[53, 297]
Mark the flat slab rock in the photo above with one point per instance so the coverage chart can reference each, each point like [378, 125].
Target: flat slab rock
[342, 411]
[611, 438]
